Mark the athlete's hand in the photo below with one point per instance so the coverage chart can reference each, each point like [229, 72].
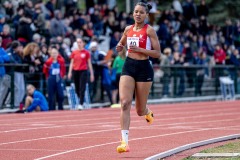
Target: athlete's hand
[119, 47]
[134, 48]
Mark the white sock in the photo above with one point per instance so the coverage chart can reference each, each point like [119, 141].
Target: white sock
[125, 135]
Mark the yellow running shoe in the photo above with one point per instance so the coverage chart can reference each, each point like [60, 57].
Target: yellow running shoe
[149, 117]
[123, 147]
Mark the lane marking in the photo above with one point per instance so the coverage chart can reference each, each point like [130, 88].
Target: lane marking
[27, 129]
[118, 118]
[92, 124]
[104, 144]
[107, 130]
[26, 149]
[179, 107]
[192, 145]
[143, 127]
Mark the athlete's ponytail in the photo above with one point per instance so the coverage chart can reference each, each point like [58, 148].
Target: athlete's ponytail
[147, 6]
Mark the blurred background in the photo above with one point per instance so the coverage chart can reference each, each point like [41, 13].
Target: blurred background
[200, 42]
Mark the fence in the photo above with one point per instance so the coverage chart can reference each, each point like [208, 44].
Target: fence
[169, 81]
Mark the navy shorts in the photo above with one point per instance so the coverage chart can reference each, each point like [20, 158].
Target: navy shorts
[139, 70]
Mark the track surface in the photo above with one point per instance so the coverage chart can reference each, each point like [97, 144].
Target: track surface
[95, 134]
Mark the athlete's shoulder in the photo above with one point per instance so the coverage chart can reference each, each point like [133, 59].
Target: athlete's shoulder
[149, 27]
[150, 30]
[128, 28]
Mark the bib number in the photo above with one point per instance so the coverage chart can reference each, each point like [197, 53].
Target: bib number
[55, 71]
[132, 41]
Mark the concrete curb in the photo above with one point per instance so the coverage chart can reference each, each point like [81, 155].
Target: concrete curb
[192, 145]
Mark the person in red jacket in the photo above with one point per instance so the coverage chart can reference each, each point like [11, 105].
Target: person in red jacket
[54, 70]
[219, 55]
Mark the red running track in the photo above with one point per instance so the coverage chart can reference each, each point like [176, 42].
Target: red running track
[95, 134]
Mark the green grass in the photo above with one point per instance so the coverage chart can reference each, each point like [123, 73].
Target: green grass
[233, 147]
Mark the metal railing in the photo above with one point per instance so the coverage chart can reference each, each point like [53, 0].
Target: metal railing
[171, 81]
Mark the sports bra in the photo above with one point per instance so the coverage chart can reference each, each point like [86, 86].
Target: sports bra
[139, 38]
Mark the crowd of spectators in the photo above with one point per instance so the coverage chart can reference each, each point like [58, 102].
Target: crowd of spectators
[183, 29]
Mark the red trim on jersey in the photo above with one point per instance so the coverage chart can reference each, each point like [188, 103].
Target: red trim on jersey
[142, 34]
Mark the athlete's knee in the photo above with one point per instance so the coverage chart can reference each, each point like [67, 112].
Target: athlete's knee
[125, 103]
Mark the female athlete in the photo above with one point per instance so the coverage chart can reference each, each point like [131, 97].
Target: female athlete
[137, 74]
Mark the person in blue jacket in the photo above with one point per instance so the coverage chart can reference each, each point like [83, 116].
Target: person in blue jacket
[35, 101]
[4, 57]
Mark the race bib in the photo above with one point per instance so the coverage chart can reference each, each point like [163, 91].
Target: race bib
[55, 71]
[132, 41]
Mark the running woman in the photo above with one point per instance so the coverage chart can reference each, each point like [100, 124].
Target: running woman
[137, 74]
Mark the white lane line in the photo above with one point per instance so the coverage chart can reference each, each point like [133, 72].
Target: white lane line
[189, 106]
[92, 124]
[27, 129]
[192, 145]
[161, 125]
[133, 116]
[109, 130]
[117, 114]
[52, 137]
[28, 149]
[104, 144]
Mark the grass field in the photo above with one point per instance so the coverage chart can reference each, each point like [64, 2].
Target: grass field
[233, 147]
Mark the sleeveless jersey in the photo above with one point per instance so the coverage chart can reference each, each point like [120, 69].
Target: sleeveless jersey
[139, 38]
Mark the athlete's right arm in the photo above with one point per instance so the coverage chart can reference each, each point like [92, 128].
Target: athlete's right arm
[123, 40]
[70, 69]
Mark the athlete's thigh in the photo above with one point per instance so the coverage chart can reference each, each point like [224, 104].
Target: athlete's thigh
[126, 88]
[141, 94]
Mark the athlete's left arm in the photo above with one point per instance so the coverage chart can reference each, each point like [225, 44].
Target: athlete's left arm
[156, 51]
[90, 69]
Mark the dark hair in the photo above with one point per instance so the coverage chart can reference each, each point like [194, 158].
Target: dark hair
[147, 6]
[15, 44]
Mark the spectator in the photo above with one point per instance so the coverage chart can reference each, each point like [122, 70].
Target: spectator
[219, 55]
[177, 7]
[3, 79]
[24, 31]
[166, 59]
[200, 73]
[16, 53]
[188, 60]
[57, 27]
[178, 74]
[97, 58]
[31, 54]
[202, 9]
[6, 37]
[189, 10]
[40, 19]
[9, 9]
[54, 70]
[2, 22]
[228, 31]
[50, 5]
[234, 60]
[35, 100]
[37, 38]
[97, 23]
[80, 63]
[116, 72]
[44, 52]
[114, 40]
